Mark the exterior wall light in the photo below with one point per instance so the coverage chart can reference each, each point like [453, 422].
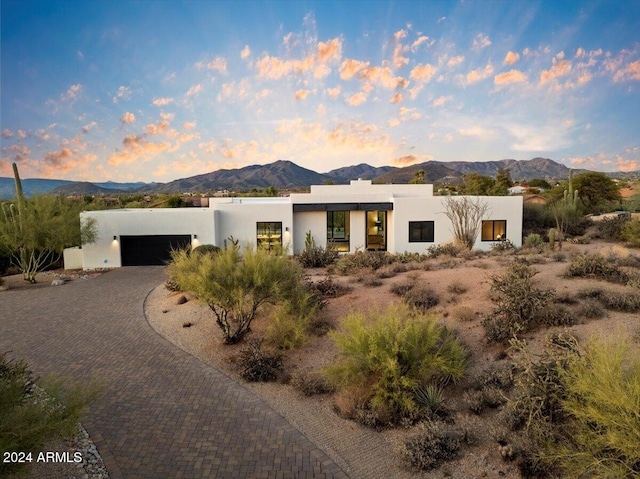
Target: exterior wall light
[115, 238]
[286, 228]
[195, 237]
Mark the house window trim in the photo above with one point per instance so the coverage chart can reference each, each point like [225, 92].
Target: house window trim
[433, 232]
[339, 244]
[493, 235]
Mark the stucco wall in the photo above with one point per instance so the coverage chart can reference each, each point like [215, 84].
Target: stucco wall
[105, 252]
[432, 209]
[239, 220]
[314, 221]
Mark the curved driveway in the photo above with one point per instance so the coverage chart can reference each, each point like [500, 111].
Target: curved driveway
[163, 413]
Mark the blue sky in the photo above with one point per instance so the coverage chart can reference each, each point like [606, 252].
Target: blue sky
[154, 91]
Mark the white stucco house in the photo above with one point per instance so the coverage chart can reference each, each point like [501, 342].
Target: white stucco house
[358, 216]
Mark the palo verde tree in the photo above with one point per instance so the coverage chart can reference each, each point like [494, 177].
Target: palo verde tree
[236, 284]
[466, 215]
[34, 232]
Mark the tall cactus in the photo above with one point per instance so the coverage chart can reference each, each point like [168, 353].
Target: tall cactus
[565, 209]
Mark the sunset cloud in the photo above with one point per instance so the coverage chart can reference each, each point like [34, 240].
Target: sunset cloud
[135, 148]
[333, 92]
[455, 61]
[419, 41]
[480, 74]
[128, 117]
[628, 73]
[73, 92]
[357, 99]
[349, 68]
[384, 77]
[7, 133]
[440, 101]
[423, 73]
[406, 160]
[89, 126]
[194, 90]
[189, 125]
[396, 98]
[558, 69]
[246, 51]
[511, 58]
[301, 94]
[512, 76]
[162, 101]
[480, 41]
[123, 93]
[218, 64]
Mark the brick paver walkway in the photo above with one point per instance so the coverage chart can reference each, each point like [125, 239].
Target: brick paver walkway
[163, 413]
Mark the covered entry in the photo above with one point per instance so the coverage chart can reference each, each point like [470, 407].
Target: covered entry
[150, 250]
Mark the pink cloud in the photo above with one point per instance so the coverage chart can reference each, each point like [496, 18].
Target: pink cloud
[333, 92]
[630, 72]
[128, 117]
[219, 64]
[511, 58]
[89, 126]
[383, 76]
[189, 125]
[627, 165]
[274, 68]
[195, 89]
[7, 133]
[330, 51]
[512, 76]
[419, 41]
[396, 98]
[405, 160]
[135, 147]
[350, 68]
[246, 51]
[301, 94]
[123, 93]
[477, 75]
[73, 92]
[480, 41]
[455, 61]
[440, 101]
[357, 99]
[423, 73]
[558, 69]
[162, 101]
[157, 129]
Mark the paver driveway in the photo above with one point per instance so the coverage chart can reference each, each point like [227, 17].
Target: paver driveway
[163, 413]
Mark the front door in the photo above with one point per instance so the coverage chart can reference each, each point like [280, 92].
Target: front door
[376, 230]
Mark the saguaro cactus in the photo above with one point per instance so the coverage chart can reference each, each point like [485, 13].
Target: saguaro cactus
[565, 210]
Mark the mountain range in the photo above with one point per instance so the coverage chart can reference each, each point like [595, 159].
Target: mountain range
[283, 174]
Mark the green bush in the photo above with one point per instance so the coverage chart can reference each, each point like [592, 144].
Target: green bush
[446, 249]
[234, 285]
[374, 260]
[518, 303]
[601, 402]
[390, 354]
[610, 228]
[631, 233]
[596, 265]
[259, 365]
[533, 240]
[206, 249]
[31, 416]
[314, 256]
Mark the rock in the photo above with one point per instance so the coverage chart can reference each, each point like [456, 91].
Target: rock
[182, 299]
[58, 282]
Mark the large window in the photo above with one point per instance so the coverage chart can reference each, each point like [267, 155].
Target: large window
[269, 234]
[494, 230]
[421, 231]
[338, 230]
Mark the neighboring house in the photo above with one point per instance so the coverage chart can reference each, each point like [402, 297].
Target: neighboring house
[535, 199]
[355, 217]
[520, 189]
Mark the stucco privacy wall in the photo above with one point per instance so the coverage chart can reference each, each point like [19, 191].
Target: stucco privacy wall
[105, 252]
[432, 209]
[238, 217]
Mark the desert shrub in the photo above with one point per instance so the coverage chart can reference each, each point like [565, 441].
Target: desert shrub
[464, 313]
[565, 298]
[389, 271]
[407, 257]
[429, 397]
[501, 247]
[421, 297]
[371, 280]
[593, 293]
[558, 256]
[30, 415]
[533, 240]
[206, 249]
[610, 228]
[258, 364]
[433, 444]
[556, 315]
[327, 287]
[596, 265]
[536, 219]
[590, 309]
[456, 288]
[580, 409]
[360, 260]
[291, 320]
[631, 233]
[625, 301]
[390, 355]
[236, 285]
[445, 249]
[314, 256]
[310, 382]
[634, 282]
[518, 303]
[400, 289]
[480, 399]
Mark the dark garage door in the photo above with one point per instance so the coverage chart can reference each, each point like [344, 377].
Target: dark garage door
[150, 250]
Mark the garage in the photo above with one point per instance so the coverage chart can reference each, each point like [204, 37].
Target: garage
[150, 250]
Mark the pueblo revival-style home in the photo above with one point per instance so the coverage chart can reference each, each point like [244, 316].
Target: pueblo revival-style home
[349, 218]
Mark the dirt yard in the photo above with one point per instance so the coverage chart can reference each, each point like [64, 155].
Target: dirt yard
[362, 452]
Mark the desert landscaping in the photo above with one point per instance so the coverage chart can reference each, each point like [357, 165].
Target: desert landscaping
[461, 286]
